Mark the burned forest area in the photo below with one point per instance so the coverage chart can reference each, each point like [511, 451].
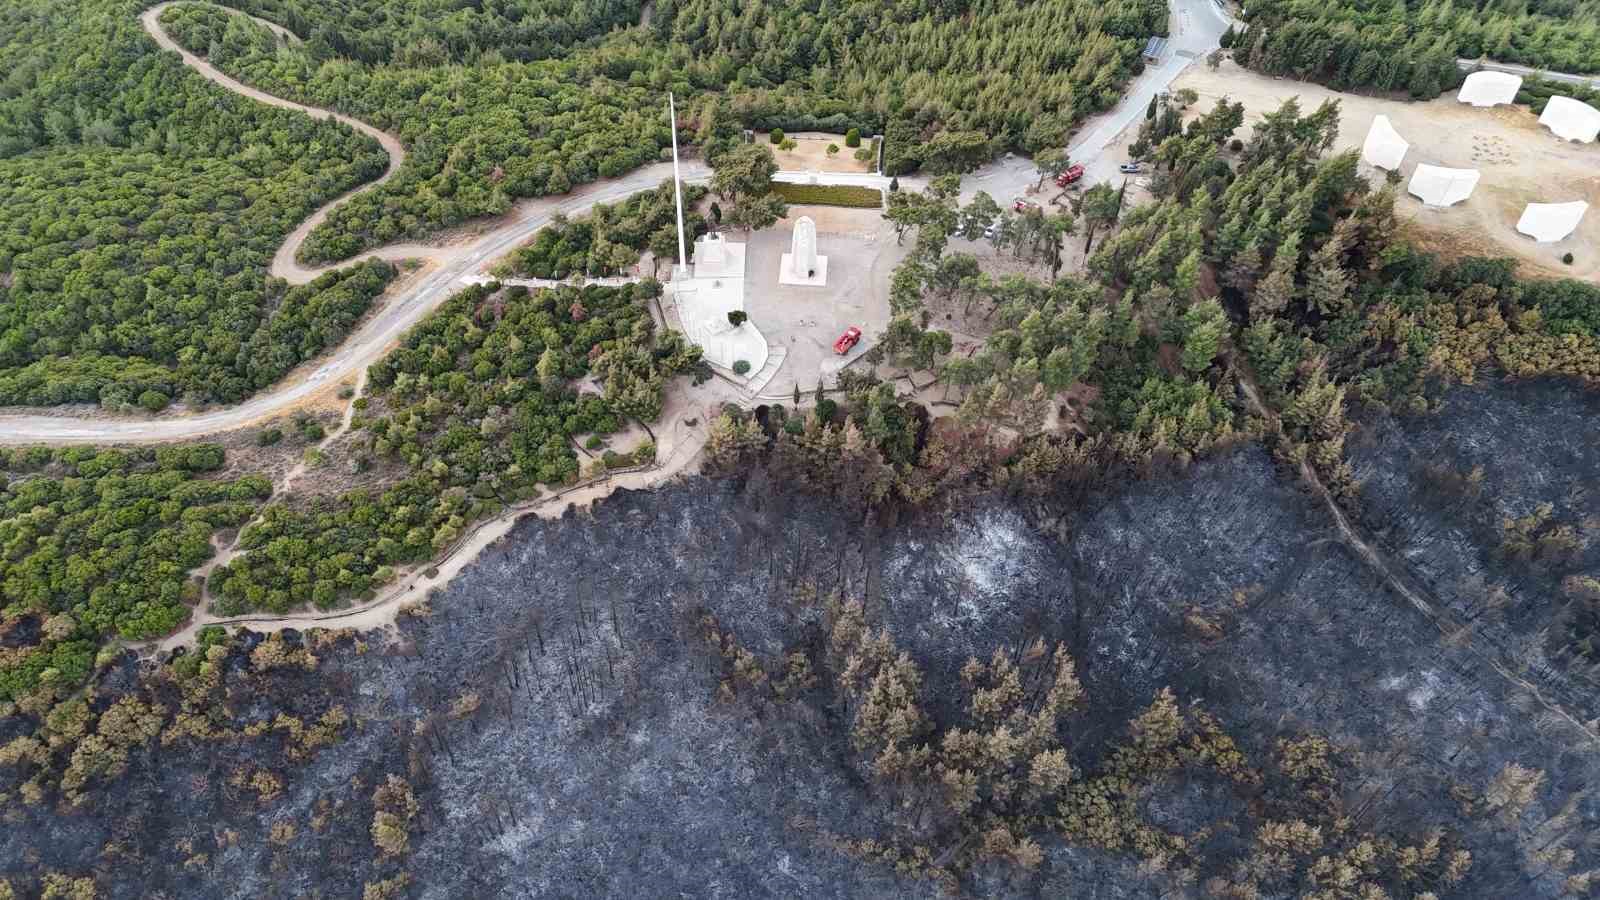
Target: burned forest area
[667, 697]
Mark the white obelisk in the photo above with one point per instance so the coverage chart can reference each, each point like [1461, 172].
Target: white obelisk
[682, 270]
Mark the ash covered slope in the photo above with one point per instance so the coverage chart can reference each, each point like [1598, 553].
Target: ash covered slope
[573, 741]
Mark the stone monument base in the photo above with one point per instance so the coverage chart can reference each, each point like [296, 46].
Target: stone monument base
[787, 275]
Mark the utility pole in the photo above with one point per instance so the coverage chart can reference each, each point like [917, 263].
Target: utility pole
[677, 191]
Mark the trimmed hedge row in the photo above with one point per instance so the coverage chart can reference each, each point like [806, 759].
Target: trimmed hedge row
[829, 195]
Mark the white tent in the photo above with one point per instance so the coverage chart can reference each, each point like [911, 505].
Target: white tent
[1551, 222]
[1438, 186]
[1384, 147]
[1489, 88]
[1571, 119]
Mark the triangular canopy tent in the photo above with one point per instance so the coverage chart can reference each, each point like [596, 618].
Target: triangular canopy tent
[1384, 147]
[1571, 119]
[1438, 186]
[1490, 88]
[1551, 222]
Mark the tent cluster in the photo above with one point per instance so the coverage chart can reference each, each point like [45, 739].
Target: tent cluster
[1438, 186]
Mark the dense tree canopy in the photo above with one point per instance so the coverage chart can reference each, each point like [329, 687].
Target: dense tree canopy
[611, 237]
[1412, 46]
[143, 204]
[478, 404]
[100, 543]
[141, 208]
[489, 120]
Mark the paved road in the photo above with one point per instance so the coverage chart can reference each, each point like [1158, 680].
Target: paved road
[1196, 26]
[1468, 65]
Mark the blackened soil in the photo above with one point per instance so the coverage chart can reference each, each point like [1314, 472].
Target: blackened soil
[602, 764]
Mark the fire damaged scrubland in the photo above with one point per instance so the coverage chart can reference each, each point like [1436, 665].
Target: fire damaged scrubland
[1182, 685]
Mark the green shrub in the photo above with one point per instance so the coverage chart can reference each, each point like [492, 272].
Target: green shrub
[1566, 258]
[268, 437]
[852, 138]
[594, 442]
[776, 136]
[154, 401]
[741, 367]
[737, 317]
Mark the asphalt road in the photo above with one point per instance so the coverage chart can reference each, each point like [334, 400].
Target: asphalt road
[1196, 26]
[1468, 65]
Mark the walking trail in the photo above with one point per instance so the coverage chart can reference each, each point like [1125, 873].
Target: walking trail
[445, 268]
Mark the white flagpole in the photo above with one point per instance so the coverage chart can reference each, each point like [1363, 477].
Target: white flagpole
[677, 184]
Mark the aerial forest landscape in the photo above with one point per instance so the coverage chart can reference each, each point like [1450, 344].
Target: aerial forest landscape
[799, 448]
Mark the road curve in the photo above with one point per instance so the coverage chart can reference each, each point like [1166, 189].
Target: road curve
[1197, 25]
[283, 263]
[373, 336]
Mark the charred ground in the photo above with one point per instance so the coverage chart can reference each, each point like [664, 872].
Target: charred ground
[563, 725]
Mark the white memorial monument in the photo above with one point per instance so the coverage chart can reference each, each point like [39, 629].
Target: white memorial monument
[1384, 147]
[1570, 119]
[1489, 88]
[1438, 186]
[1551, 222]
[801, 265]
[705, 292]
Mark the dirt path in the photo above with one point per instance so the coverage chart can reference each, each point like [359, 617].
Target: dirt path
[688, 413]
[414, 298]
[283, 264]
[1399, 577]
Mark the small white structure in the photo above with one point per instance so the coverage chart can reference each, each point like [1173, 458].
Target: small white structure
[1438, 186]
[705, 298]
[1551, 222]
[801, 265]
[1384, 147]
[1485, 89]
[1570, 119]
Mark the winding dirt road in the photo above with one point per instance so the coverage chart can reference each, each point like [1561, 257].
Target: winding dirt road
[283, 264]
[388, 321]
[447, 266]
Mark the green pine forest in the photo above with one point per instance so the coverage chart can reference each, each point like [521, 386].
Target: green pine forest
[143, 203]
[1412, 47]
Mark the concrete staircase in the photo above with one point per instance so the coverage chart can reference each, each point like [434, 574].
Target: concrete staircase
[758, 381]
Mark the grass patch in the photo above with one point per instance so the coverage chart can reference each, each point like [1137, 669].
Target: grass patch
[829, 195]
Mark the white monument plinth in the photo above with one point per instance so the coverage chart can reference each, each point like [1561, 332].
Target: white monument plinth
[801, 265]
[705, 298]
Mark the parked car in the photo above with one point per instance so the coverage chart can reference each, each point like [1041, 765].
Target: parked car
[1130, 168]
[847, 340]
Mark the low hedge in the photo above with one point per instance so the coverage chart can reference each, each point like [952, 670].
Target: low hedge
[829, 195]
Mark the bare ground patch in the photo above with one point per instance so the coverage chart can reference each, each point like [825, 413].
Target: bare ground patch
[1520, 161]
